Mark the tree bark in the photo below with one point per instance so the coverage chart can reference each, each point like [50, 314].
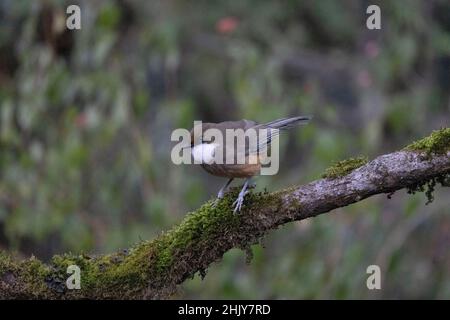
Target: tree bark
[154, 269]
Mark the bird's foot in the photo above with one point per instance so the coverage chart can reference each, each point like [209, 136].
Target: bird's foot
[216, 202]
[239, 201]
[220, 196]
[221, 193]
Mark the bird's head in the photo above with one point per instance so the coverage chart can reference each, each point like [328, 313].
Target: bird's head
[195, 140]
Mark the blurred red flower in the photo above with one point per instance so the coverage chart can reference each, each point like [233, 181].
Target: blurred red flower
[226, 25]
[371, 49]
[364, 79]
[81, 120]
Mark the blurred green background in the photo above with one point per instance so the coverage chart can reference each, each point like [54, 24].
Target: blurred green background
[86, 117]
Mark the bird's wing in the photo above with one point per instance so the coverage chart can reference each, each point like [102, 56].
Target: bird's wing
[230, 147]
[273, 129]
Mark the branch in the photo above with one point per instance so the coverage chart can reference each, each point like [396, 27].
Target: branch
[153, 269]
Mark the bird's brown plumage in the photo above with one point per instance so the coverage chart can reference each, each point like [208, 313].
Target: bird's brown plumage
[252, 165]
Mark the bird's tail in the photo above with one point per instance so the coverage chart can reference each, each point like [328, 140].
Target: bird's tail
[280, 124]
[286, 123]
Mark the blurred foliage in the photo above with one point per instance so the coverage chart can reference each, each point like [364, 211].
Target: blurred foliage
[86, 117]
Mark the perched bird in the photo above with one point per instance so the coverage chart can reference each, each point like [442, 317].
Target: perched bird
[205, 151]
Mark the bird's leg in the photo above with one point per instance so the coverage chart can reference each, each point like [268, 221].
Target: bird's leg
[224, 188]
[240, 200]
[222, 191]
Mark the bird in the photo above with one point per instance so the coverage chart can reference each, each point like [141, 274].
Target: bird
[204, 151]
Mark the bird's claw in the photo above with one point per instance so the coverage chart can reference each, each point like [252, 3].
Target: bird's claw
[219, 197]
[239, 201]
[215, 202]
[221, 193]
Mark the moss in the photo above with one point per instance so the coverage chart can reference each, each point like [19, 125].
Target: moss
[438, 142]
[149, 263]
[344, 167]
[203, 224]
[103, 276]
[152, 263]
[127, 271]
[28, 274]
[4, 262]
[34, 271]
[208, 225]
[208, 231]
[428, 186]
[155, 260]
[265, 199]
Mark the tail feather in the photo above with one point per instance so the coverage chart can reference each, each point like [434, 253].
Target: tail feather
[279, 124]
[286, 123]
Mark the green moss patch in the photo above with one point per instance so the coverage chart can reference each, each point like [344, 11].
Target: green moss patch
[344, 167]
[202, 225]
[28, 273]
[428, 186]
[146, 266]
[438, 142]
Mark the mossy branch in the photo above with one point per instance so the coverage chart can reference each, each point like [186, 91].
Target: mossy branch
[153, 269]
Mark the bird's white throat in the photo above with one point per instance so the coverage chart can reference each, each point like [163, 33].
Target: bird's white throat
[204, 152]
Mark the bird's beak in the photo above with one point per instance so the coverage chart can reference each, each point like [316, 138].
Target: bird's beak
[186, 147]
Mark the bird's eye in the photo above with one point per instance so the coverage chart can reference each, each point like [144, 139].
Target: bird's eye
[196, 140]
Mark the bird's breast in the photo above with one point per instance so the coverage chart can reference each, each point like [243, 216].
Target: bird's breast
[204, 152]
[215, 162]
[233, 170]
